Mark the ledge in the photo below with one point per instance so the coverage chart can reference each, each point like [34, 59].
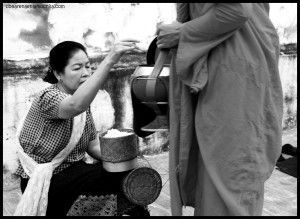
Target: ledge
[36, 67]
[289, 49]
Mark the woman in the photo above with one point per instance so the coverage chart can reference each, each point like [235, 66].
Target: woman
[225, 106]
[48, 125]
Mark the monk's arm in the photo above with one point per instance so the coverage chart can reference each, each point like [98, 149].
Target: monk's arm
[221, 19]
[200, 35]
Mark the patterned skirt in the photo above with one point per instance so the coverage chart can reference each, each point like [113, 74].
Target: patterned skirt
[87, 189]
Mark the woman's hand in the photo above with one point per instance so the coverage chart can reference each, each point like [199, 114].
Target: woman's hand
[93, 148]
[168, 35]
[120, 48]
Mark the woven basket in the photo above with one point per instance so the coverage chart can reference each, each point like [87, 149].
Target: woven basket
[119, 149]
[94, 206]
[142, 186]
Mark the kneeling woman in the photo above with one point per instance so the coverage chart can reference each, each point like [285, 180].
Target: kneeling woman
[48, 126]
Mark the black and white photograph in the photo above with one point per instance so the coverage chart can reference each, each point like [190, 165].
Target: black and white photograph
[149, 109]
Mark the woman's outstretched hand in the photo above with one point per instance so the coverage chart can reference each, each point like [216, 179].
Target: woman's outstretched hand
[121, 47]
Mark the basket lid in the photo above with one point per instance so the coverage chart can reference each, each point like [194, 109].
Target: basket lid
[142, 186]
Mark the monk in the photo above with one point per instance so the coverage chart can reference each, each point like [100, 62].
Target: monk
[226, 106]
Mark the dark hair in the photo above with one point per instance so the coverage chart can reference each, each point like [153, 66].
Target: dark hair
[59, 57]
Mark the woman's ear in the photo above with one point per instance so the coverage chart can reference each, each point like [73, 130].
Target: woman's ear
[56, 75]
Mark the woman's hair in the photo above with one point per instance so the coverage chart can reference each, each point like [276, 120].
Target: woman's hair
[59, 58]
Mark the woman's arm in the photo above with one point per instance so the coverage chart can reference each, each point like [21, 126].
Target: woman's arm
[84, 95]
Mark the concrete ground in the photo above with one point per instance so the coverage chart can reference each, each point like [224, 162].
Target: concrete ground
[280, 193]
[280, 189]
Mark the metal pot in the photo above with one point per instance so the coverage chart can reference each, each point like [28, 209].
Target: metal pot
[161, 88]
[149, 87]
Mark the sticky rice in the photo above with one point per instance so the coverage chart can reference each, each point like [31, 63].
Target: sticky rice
[115, 133]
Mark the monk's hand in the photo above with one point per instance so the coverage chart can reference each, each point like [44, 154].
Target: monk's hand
[168, 35]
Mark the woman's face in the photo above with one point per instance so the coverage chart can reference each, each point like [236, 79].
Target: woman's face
[76, 72]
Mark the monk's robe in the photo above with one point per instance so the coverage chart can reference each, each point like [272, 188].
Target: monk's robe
[226, 108]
